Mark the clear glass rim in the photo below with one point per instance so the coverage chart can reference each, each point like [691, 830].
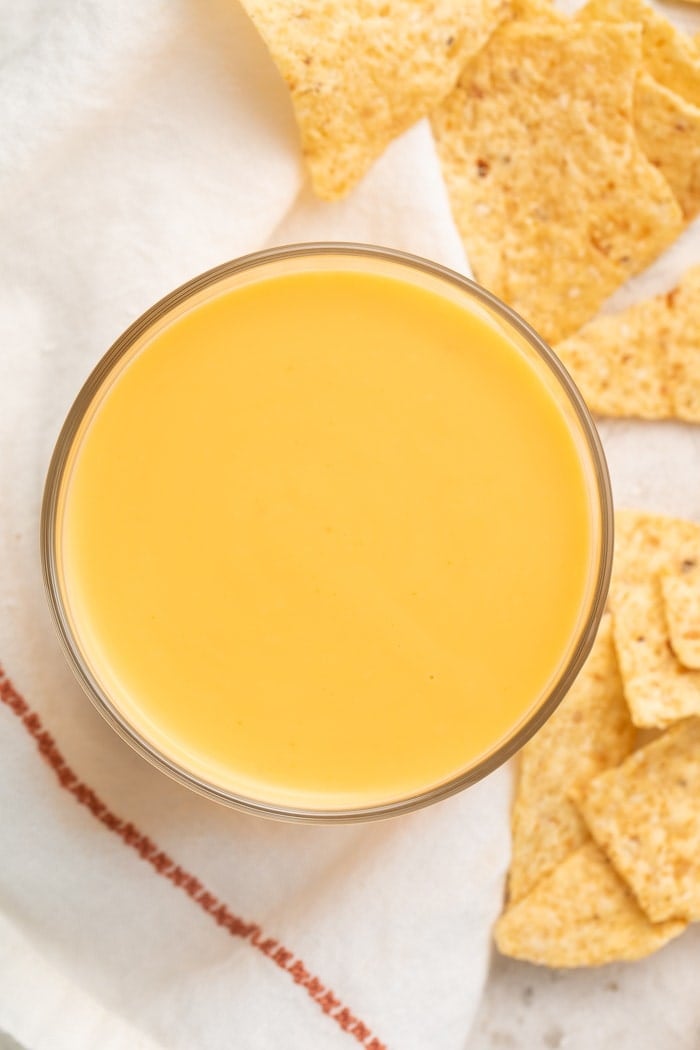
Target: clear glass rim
[49, 521]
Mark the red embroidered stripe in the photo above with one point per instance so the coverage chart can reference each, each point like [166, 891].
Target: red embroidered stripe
[164, 865]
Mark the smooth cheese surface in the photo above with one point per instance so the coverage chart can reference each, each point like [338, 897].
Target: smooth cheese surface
[326, 539]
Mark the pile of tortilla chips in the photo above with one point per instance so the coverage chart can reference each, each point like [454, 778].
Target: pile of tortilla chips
[570, 147]
[571, 153]
[606, 826]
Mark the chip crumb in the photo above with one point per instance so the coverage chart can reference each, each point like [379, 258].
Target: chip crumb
[581, 914]
[646, 816]
[590, 731]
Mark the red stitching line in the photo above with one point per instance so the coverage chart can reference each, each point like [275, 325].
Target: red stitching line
[166, 866]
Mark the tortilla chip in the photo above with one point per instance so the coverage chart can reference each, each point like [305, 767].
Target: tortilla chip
[669, 54]
[641, 546]
[537, 11]
[554, 198]
[582, 914]
[681, 591]
[658, 689]
[684, 348]
[495, 11]
[619, 362]
[644, 361]
[668, 129]
[646, 816]
[649, 544]
[589, 732]
[361, 73]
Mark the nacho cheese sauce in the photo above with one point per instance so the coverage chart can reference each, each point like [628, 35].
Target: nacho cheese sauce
[326, 539]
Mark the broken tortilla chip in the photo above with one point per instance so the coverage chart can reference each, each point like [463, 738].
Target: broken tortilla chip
[581, 914]
[669, 54]
[590, 731]
[361, 73]
[553, 196]
[619, 362]
[658, 689]
[648, 544]
[681, 590]
[644, 361]
[642, 545]
[668, 129]
[646, 816]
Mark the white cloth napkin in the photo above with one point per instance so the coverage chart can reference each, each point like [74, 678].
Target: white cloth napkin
[141, 144]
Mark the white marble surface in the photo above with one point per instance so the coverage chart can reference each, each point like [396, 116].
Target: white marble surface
[648, 1005]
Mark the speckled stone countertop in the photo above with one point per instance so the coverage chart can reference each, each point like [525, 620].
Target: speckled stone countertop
[653, 1004]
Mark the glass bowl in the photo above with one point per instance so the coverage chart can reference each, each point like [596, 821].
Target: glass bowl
[424, 274]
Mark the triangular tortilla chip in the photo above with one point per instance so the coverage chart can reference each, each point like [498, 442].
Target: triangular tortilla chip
[582, 914]
[669, 54]
[590, 731]
[554, 198]
[668, 129]
[658, 689]
[646, 816]
[644, 361]
[361, 73]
